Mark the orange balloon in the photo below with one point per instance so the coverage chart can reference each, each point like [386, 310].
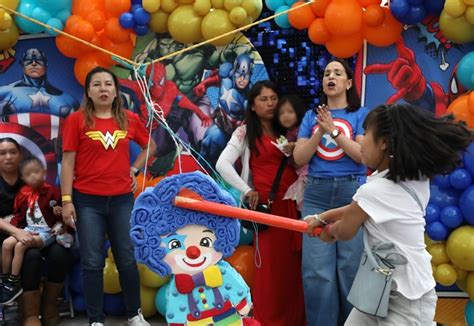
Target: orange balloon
[386, 33]
[319, 7]
[115, 8]
[69, 47]
[301, 18]
[470, 102]
[115, 32]
[97, 19]
[83, 7]
[124, 49]
[345, 46]
[72, 20]
[86, 63]
[318, 33]
[373, 15]
[343, 17]
[367, 3]
[83, 30]
[242, 260]
[153, 182]
[460, 108]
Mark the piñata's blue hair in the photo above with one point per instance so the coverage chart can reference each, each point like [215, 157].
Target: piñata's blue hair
[154, 215]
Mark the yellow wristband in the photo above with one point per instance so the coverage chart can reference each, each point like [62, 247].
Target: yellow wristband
[66, 198]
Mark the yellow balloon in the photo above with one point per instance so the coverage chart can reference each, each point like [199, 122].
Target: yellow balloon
[253, 8]
[184, 24]
[168, 5]
[456, 29]
[469, 2]
[461, 274]
[429, 242]
[149, 278]
[147, 298]
[445, 275]
[185, 2]
[438, 253]
[9, 37]
[469, 15]
[111, 278]
[151, 5]
[460, 247]
[238, 16]
[470, 285]
[5, 20]
[12, 4]
[217, 4]
[231, 4]
[216, 23]
[454, 8]
[202, 7]
[159, 22]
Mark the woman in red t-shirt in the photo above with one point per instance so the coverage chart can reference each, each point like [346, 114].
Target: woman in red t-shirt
[97, 182]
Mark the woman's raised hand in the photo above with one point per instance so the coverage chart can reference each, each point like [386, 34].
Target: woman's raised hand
[325, 120]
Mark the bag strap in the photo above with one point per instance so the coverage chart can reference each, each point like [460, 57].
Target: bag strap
[276, 182]
[371, 257]
[413, 194]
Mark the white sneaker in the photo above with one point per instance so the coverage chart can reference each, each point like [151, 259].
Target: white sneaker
[97, 324]
[138, 320]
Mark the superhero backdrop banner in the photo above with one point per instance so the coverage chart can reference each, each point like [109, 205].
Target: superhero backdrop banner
[202, 94]
[37, 92]
[420, 69]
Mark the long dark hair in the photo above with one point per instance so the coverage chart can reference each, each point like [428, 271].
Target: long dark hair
[10, 140]
[298, 104]
[419, 145]
[353, 98]
[254, 127]
[118, 113]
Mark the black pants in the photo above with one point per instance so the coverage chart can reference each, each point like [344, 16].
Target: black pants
[59, 261]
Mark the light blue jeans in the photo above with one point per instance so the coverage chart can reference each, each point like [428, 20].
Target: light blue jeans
[329, 269]
[96, 217]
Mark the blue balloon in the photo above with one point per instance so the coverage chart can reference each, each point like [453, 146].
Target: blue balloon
[466, 203]
[274, 4]
[443, 197]
[161, 299]
[414, 15]
[141, 30]
[141, 16]
[451, 216]
[290, 2]
[468, 159]
[460, 179]
[469, 313]
[56, 23]
[399, 8]
[246, 236]
[442, 181]
[114, 304]
[466, 71]
[432, 213]
[79, 303]
[437, 231]
[434, 6]
[137, 2]
[26, 8]
[282, 21]
[126, 20]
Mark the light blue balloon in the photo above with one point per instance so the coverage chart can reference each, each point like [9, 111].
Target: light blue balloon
[26, 8]
[41, 14]
[56, 23]
[290, 2]
[469, 313]
[466, 71]
[161, 299]
[274, 4]
[282, 21]
[63, 15]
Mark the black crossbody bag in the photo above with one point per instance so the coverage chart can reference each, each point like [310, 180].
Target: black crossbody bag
[265, 208]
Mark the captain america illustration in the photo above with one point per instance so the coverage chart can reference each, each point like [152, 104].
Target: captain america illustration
[33, 93]
[234, 82]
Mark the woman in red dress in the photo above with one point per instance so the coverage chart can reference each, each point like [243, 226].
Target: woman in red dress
[277, 290]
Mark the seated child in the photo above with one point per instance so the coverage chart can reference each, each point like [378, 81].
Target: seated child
[37, 209]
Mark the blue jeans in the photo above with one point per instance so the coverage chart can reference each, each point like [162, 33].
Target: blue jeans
[96, 217]
[329, 269]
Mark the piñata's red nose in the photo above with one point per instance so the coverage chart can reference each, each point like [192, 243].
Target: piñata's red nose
[193, 252]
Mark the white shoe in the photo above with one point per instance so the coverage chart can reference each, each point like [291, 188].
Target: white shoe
[138, 320]
[97, 324]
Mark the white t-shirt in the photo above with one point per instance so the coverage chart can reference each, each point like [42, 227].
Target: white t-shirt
[37, 218]
[395, 216]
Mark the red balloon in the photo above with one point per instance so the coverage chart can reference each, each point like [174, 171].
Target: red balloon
[242, 260]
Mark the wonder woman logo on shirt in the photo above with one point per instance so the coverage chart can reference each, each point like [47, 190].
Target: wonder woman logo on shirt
[107, 140]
